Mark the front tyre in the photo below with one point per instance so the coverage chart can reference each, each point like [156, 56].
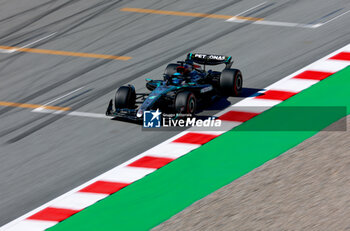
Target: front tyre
[231, 82]
[125, 97]
[185, 103]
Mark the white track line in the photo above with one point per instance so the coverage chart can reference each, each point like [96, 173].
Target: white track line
[250, 9]
[36, 41]
[283, 24]
[89, 114]
[7, 51]
[74, 113]
[29, 44]
[274, 23]
[335, 17]
[42, 109]
[54, 100]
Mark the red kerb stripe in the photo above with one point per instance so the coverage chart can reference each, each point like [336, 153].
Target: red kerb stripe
[313, 75]
[342, 56]
[53, 214]
[105, 187]
[276, 95]
[195, 138]
[151, 162]
[238, 116]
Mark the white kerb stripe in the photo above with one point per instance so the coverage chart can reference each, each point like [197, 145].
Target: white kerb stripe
[257, 104]
[294, 85]
[78, 200]
[329, 65]
[207, 131]
[31, 225]
[346, 48]
[126, 174]
[171, 150]
[216, 131]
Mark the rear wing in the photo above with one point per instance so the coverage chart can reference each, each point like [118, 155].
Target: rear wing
[210, 59]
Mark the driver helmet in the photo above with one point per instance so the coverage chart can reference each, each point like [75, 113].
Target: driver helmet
[188, 68]
[180, 70]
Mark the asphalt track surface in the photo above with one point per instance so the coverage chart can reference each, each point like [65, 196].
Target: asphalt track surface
[44, 155]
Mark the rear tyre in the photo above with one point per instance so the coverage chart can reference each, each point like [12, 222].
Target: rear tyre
[231, 82]
[125, 97]
[185, 103]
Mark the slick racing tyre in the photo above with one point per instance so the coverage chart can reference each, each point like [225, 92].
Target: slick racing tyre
[231, 82]
[185, 103]
[125, 97]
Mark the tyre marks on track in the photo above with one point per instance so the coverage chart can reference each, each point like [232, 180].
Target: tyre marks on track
[103, 91]
[149, 161]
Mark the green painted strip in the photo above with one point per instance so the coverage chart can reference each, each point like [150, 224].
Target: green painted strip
[169, 190]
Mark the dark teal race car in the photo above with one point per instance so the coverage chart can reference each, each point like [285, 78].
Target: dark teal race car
[185, 85]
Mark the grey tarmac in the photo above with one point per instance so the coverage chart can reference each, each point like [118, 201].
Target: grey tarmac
[43, 156]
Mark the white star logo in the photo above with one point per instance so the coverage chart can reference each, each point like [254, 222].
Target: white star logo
[156, 114]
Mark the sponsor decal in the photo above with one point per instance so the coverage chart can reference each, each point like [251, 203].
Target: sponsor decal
[213, 57]
[217, 57]
[206, 89]
[201, 56]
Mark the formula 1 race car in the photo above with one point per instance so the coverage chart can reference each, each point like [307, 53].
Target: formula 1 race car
[185, 84]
